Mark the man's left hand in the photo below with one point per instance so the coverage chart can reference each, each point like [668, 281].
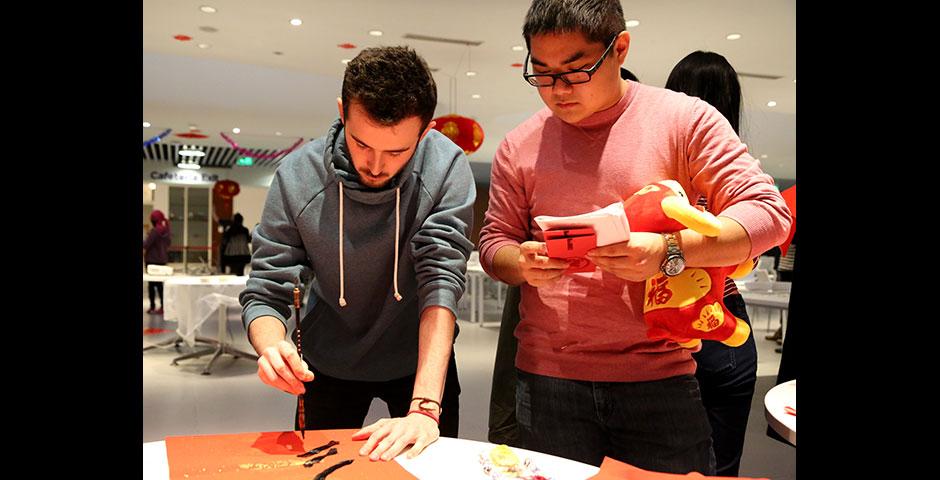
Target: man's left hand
[389, 436]
[635, 260]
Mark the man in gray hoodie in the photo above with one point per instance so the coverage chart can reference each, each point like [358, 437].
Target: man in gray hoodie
[375, 218]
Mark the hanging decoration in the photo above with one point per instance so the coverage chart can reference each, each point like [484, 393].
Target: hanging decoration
[226, 189]
[464, 131]
[192, 134]
[245, 151]
[157, 138]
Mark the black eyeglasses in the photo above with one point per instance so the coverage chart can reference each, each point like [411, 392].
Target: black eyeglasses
[572, 77]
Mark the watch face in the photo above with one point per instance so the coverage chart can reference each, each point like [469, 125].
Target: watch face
[673, 266]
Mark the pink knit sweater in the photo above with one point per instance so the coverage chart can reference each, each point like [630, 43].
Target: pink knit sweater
[589, 326]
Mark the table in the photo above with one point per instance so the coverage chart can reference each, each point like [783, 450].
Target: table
[775, 403]
[450, 458]
[776, 296]
[191, 300]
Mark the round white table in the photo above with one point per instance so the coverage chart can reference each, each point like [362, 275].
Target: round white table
[450, 458]
[775, 409]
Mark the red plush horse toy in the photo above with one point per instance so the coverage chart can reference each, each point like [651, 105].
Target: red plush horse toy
[688, 307]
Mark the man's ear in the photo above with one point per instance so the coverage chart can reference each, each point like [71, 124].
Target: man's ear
[426, 130]
[622, 46]
[339, 105]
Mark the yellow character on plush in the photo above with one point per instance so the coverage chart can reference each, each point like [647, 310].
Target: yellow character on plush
[688, 307]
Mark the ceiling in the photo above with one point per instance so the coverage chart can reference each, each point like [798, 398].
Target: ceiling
[238, 81]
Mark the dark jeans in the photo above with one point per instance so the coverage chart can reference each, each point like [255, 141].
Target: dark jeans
[155, 289]
[726, 377]
[502, 423]
[332, 403]
[658, 425]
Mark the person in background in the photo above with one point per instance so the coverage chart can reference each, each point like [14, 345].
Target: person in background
[590, 381]
[235, 250]
[156, 247]
[374, 218]
[726, 375]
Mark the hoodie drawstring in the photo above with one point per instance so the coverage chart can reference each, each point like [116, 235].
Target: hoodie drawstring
[397, 223]
[342, 276]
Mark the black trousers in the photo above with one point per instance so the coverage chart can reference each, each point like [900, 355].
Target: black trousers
[333, 403]
[155, 289]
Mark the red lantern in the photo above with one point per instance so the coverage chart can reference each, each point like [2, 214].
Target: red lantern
[226, 189]
[463, 131]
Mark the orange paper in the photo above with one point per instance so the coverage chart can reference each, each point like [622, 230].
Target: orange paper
[615, 470]
[272, 455]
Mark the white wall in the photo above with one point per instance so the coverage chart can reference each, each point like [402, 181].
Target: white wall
[250, 203]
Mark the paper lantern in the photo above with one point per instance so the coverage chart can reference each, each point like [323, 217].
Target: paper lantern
[226, 189]
[463, 131]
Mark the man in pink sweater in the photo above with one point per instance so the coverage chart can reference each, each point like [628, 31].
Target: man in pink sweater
[591, 384]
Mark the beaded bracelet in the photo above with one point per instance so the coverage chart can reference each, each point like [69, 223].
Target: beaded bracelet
[427, 414]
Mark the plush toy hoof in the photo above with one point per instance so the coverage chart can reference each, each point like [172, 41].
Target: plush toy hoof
[690, 344]
[741, 332]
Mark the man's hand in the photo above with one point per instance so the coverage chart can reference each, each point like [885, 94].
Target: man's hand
[280, 367]
[389, 436]
[537, 268]
[635, 260]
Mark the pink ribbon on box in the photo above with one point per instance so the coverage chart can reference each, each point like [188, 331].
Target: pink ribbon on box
[245, 151]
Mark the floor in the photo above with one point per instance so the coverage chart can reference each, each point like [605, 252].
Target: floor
[179, 400]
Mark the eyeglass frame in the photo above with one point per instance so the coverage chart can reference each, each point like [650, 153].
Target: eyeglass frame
[555, 76]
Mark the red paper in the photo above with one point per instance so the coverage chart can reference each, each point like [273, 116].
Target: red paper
[615, 470]
[572, 243]
[272, 455]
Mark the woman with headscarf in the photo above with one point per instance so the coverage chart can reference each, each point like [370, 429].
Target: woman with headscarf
[155, 253]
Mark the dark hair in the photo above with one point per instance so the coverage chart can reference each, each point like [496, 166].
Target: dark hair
[598, 20]
[709, 76]
[391, 84]
[628, 75]
[238, 219]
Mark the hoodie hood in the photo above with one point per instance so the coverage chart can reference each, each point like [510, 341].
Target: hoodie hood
[160, 223]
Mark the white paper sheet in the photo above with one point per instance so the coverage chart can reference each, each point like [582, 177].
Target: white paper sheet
[609, 223]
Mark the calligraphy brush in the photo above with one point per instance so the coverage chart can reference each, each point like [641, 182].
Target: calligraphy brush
[301, 420]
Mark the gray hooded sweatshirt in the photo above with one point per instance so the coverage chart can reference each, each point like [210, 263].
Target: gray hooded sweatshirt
[354, 326]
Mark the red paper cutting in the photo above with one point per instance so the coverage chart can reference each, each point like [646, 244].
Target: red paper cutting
[272, 455]
[615, 470]
[346, 45]
[183, 38]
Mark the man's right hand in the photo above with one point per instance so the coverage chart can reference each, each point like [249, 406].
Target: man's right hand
[280, 367]
[537, 268]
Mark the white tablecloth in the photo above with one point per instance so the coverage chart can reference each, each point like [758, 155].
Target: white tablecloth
[191, 300]
[775, 403]
[447, 458]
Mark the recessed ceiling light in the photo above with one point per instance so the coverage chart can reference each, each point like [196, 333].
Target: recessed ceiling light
[375, 33]
[188, 166]
[763, 156]
[146, 124]
[475, 95]
[208, 29]
[771, 103]
[278, 133]
[733, 36]
[236, 130]
[633, 23]
[794, 80]
[191, 152]
[345, 61]
[518, 48]
[207, 9]
[152, 186]
[296, 22]
[471, 73]
[204, 46]
[193, 126]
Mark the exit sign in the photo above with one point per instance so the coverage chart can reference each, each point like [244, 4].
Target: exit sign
[245, 162]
